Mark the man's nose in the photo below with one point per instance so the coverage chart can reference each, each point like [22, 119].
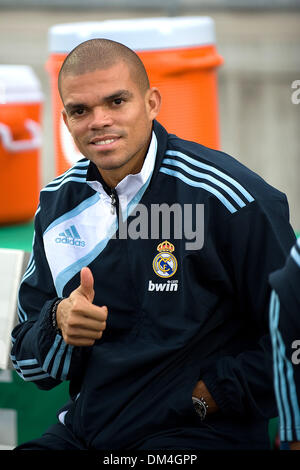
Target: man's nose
[100, 117]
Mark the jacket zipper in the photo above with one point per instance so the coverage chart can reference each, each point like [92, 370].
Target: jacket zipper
[114, 200]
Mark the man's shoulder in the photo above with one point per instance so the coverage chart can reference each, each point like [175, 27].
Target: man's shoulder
[76, 174]
[213, 158]
[213, 163]
[65, 192]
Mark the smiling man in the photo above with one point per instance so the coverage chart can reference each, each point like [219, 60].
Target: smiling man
[165, 345]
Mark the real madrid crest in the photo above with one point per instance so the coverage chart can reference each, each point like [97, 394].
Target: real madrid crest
[165, 263]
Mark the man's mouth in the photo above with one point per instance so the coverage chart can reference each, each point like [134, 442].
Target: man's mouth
[104, 142]
[107, 140]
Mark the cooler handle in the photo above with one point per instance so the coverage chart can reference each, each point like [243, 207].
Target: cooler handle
[20, 145]
[174, 66]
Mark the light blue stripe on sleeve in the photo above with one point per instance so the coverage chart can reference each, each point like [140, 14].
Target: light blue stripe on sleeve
[55, 188]
[67, 363]
[51, 352]
[32, 372]
[197, 184]
[295, 255]
[67, 174]
[28, 374]
[33, 377]
[29, 272]
[272, 313]
[282, 381]
[197, 174]
[286, 382]
[30, 262]
[74, 169]
[57, 359]
[194, 162]
[27, 362]
[21, 313]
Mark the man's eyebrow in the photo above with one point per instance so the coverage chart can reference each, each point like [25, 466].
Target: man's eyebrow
[72, 106]
[119, 94]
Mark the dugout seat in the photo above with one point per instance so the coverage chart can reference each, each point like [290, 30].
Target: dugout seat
[12, 267]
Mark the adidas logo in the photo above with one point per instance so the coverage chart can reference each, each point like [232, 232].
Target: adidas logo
[70, 237]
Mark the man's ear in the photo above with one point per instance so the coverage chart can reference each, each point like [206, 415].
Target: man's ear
[153, 102]
[65, 118]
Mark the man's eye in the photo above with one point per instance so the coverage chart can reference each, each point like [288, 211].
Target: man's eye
[118, 101]
[79, 111]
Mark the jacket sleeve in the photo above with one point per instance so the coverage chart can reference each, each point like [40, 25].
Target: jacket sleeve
[39, 354]
[285, 335]
[256, 241]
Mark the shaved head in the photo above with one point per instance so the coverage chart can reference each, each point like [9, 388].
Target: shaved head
[102, 54]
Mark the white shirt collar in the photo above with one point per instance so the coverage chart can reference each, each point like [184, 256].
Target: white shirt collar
[131, 184]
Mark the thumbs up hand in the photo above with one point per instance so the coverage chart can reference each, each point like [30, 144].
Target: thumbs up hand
[81, 322]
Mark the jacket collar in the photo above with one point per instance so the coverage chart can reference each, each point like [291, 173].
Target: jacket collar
[162, 142]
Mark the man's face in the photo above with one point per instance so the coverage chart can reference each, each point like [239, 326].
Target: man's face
[109, 117]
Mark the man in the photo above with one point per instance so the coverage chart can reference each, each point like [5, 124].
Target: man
[134, 314]
[285, 333]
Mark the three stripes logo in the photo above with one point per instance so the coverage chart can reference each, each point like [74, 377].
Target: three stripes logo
[198, 174]
[70, 237]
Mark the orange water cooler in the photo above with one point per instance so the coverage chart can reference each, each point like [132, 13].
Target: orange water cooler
[20, 143]
[181, 59]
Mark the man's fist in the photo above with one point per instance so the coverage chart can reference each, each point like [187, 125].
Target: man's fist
[81, 322]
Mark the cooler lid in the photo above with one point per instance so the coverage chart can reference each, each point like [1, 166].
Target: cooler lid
[139, 34]
[19, 84]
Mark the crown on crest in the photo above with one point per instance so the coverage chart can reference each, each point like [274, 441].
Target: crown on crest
[166, 246]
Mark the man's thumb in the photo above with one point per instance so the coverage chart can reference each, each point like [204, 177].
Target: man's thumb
[87, 284]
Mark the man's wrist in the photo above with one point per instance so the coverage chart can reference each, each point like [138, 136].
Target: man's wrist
[201, 407]
[201, 392]
[53, 317]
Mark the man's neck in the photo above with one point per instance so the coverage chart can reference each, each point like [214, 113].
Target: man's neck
[113, 177]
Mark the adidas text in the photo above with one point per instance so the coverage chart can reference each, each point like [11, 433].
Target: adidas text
[69, 241]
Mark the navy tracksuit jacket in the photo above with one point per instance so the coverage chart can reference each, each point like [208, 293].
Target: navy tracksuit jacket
[175, 316]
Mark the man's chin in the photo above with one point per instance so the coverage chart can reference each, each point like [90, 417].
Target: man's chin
[106, 164]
